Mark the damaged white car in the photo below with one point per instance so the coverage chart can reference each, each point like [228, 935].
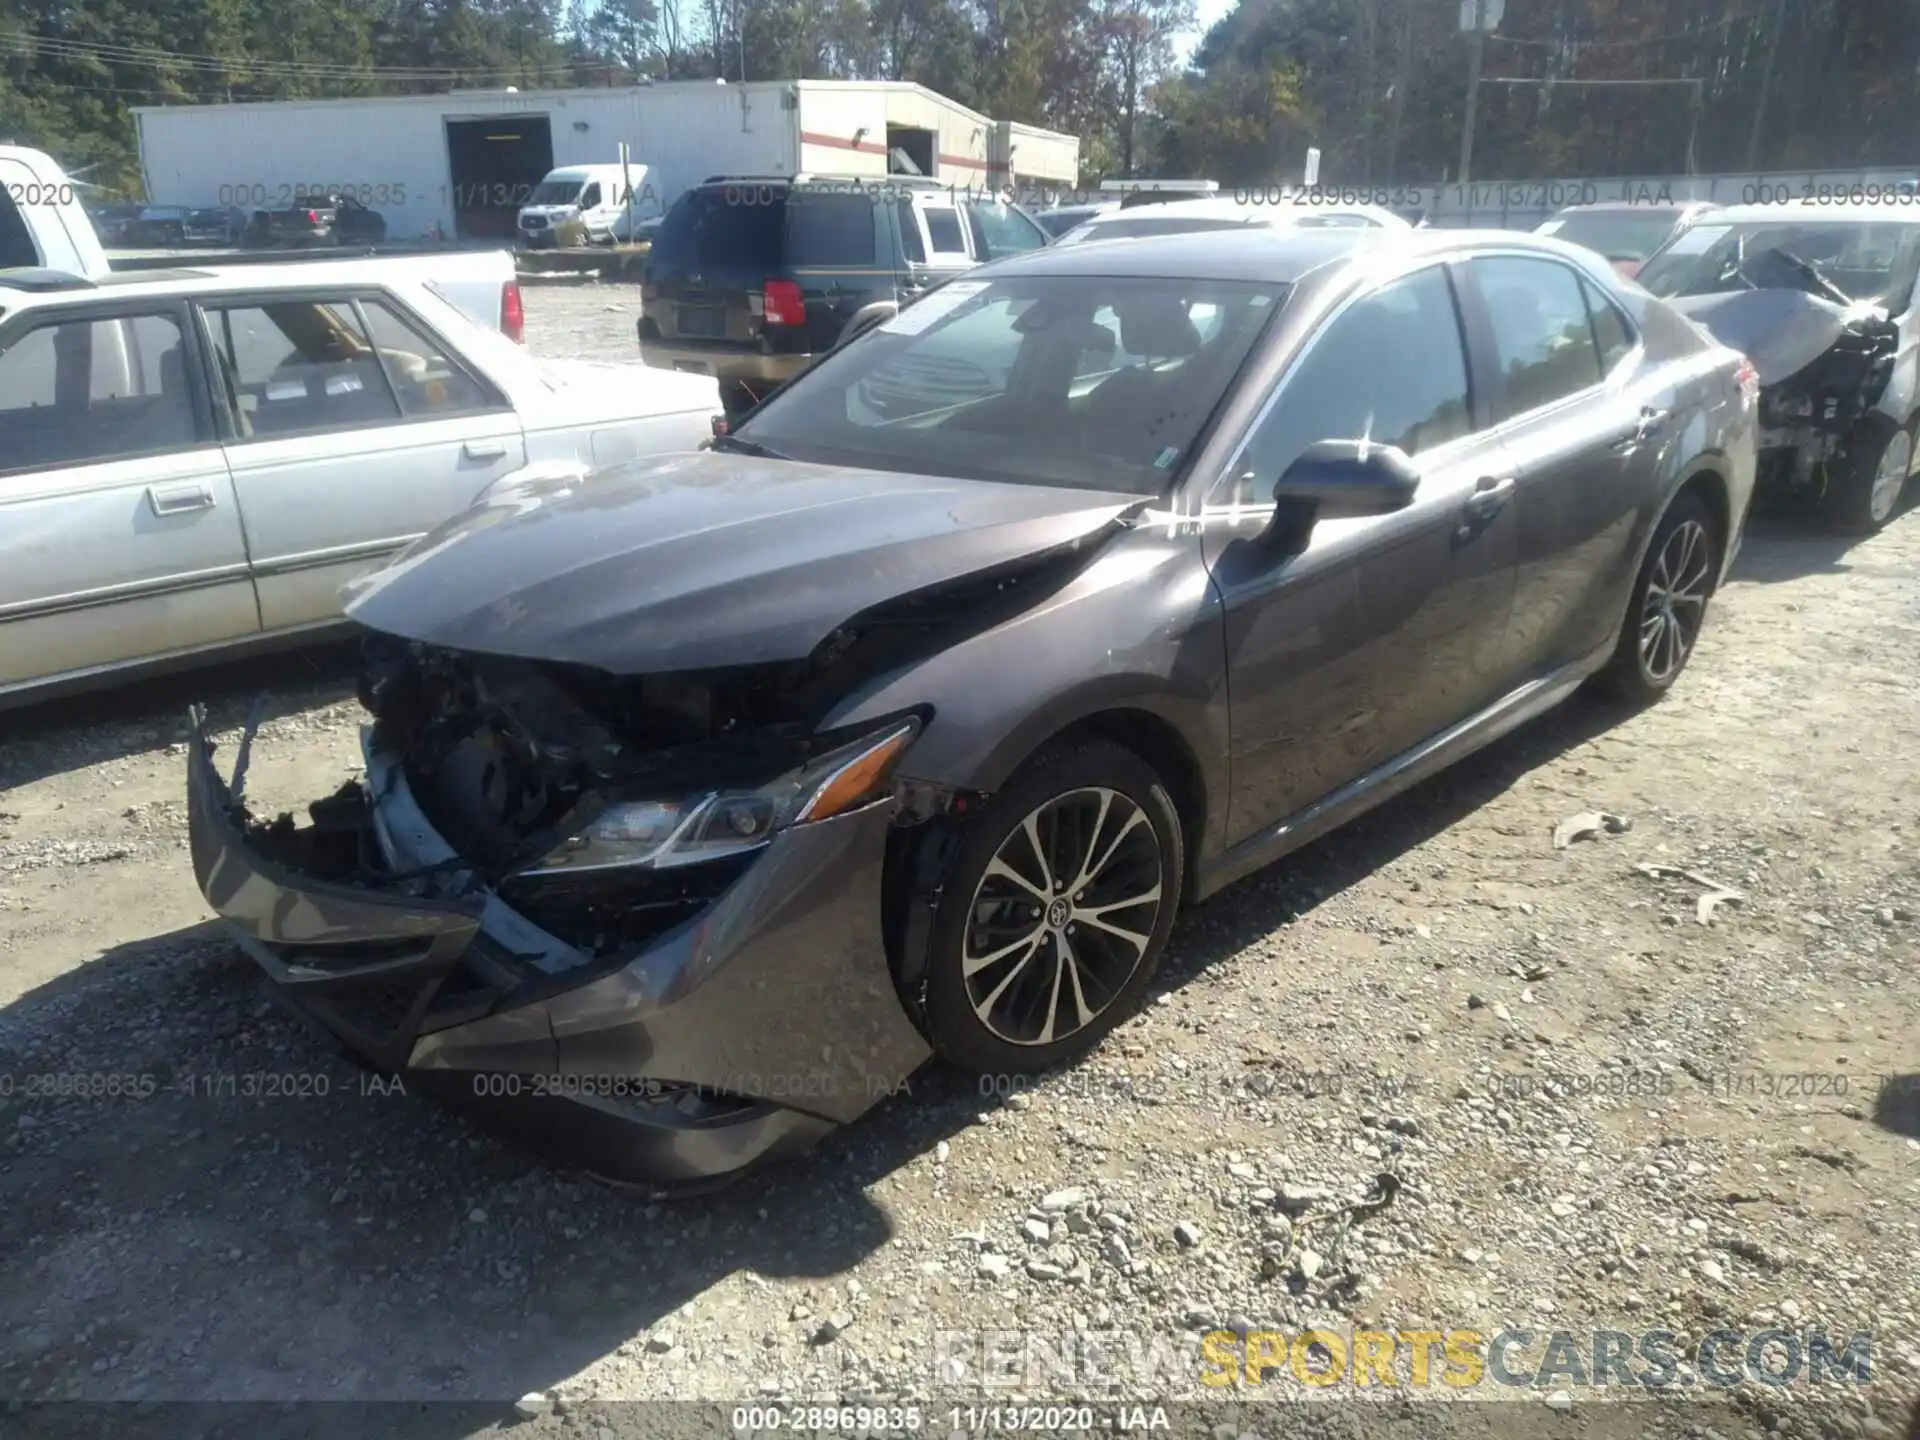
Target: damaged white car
[193, 462]
[1821, 299]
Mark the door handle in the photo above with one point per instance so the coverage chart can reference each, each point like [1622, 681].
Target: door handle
[1647, 427]
[1489, 497]
[483, 449]
[179, 499]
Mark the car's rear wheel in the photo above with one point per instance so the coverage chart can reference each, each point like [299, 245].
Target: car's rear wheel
[1865, 493]
[1669, 604]
[1060, 901]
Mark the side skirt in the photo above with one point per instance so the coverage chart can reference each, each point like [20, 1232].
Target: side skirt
[1402, 772]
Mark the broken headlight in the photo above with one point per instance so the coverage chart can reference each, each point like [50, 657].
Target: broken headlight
[660, 834]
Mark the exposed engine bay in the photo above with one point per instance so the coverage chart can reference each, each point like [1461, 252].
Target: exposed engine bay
[1823, 367]
[508, 757]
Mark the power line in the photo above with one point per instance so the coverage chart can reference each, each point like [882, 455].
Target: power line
[155, 58]
[1696, 33]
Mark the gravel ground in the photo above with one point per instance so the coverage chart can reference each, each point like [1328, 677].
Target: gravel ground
[1604, 1105]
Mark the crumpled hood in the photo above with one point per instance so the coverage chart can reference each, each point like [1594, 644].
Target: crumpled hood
[709, 559]
[1781, 331]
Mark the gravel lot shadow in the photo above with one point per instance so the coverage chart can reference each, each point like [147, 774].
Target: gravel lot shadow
[1256, 906]
[53, 737]
[1897, 1108]
[265, 1221]
[1782, 547]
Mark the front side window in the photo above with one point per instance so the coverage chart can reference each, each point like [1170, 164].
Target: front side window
[1390, 368]
[999, 229]
[294, 367]
[1543, 337]
[86, 391]
[1102, 382]
[590, 197]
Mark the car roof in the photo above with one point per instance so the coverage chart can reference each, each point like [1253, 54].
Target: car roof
[1864, 214]
[1273, 256]
[57, 286]
[1227, 207]
[1621, 207]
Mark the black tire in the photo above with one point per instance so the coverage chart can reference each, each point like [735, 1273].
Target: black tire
[1855, 503]
[1065, 783]
[1635, 674]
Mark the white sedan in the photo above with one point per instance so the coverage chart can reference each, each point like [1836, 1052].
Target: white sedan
[194, 462]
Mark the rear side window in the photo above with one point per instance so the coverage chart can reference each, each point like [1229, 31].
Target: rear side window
[297, 367]
[721, 227]
[1612, 336]
[1542, 335]
[94, 390]
[428, 381]
[829, 229]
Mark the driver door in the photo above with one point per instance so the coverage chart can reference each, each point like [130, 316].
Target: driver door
[1377, 632]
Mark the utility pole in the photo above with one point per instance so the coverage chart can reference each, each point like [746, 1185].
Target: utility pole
[1477, 56]
[1402, 76]
[1766, 83]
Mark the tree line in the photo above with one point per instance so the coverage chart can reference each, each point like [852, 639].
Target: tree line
[1379, 86]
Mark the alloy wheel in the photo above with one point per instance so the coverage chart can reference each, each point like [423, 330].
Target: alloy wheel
[1890, 477]
[1676, 601]
[1062, 916]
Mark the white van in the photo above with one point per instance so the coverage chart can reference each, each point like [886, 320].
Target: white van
[594, 195]
[42, 225]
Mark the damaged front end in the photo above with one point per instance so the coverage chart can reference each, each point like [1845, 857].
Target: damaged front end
[1823, 369]
[638, 920]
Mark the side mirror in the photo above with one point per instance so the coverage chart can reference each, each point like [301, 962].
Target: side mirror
[1342, 479]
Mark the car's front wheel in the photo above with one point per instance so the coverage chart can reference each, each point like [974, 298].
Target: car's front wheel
[1052, 922]
[1669, 604]
[1866, 493]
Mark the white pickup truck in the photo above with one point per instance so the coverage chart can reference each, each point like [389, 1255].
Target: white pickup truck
[44, 226]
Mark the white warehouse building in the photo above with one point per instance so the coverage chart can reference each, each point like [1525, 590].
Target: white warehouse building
[464, 162]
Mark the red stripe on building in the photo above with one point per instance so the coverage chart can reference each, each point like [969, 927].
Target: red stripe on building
[868, 147]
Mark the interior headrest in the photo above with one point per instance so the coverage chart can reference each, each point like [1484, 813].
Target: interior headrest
[1157, 326]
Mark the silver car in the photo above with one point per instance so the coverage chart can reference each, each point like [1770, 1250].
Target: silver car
[196, 461]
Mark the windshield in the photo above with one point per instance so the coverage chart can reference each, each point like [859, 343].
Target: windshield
[1837, 260]
[555, 192]
[1096, 381]
[1618, 235]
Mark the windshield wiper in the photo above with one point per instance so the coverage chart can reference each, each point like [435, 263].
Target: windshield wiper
[747, 447]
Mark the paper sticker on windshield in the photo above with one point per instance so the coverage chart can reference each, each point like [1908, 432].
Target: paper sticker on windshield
[1698, 240]
[933, 307]
[1552, 227]
[1166, 457]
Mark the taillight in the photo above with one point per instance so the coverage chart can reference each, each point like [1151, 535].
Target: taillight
[313, 217]
[783, 303]
[513, 318]
[1747, 377]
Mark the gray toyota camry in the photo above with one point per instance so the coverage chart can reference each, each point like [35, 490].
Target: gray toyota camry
[706, 799]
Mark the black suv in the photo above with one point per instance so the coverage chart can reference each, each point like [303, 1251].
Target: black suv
[750, 278]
